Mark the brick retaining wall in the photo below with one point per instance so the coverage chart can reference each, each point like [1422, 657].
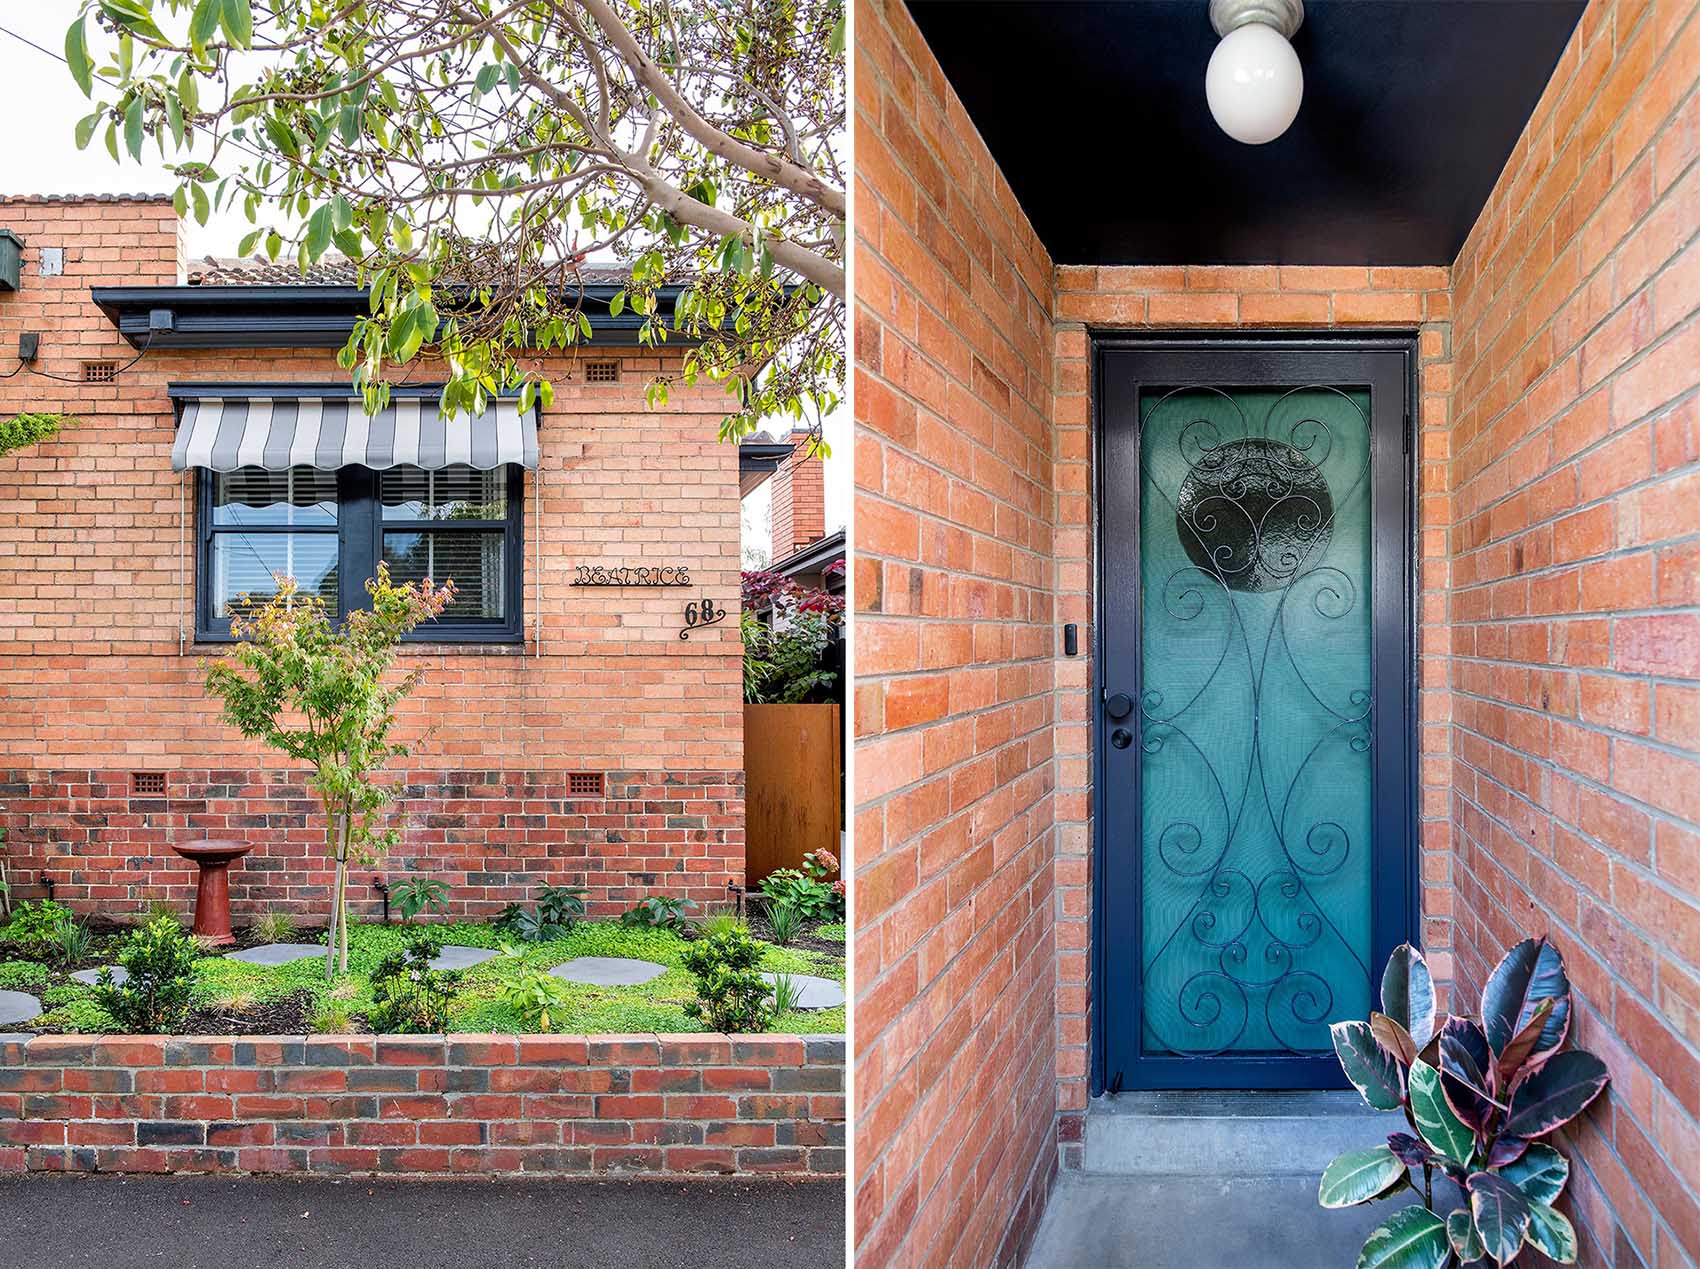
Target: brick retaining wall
[424, 1105]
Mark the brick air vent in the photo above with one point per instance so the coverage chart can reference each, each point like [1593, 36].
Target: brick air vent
[147, 784]
[100, 371]
[601, 372]
[584, 784]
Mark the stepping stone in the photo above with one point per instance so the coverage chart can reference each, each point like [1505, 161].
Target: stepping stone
[608, 971]
[277, 953]
[120, 976]
[812, 992]
[18, 1006]
[455, 956]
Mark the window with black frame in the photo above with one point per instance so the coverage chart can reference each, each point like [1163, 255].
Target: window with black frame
[329, 529]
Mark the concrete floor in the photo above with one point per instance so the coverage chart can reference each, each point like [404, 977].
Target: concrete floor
[116, 1222]
[1094, 1221]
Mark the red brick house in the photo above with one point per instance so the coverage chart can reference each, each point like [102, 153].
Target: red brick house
[1476, 251]
[566, 730]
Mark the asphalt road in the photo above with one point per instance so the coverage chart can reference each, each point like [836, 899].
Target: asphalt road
[115, 1222]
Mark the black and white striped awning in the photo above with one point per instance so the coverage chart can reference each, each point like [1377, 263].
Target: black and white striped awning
[226, 431]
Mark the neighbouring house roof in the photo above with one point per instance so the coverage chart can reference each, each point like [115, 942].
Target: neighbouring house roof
[813, 558]
[759, 456]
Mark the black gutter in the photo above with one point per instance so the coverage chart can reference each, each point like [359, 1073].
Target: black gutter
[761, 456]
[296, 316]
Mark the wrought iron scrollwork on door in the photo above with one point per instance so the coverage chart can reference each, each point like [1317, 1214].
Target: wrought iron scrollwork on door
[1254, 717]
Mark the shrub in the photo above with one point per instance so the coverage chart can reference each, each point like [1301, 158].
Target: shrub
[34, 926]
[785, 921]
[659, 912]
[408, 995]
[731, 995]
[332, 1018]
[274, 927]
[722, 923]
[783, 662]
[160, 959]
[787, 992]
[558, 910]
[71, 941]
[532, 992]
[28, 428]
[807, 889]
[416, 894]
[1475, 1095]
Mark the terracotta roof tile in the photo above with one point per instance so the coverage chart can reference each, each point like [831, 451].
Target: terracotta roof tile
[331, 271]
[85, 198]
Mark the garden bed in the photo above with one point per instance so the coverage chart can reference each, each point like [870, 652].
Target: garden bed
[231, 997]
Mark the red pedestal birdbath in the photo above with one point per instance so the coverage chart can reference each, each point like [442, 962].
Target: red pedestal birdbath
[212, 894]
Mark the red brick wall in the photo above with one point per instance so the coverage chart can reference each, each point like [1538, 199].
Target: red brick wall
[955, 950]
[799, 500]
[434, 1105]
[96, 587]
[1240, 297]
[1576, 470]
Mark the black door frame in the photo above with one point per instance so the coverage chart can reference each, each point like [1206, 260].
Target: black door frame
[1396, 898]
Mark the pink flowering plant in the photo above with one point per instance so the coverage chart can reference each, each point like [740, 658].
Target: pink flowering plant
[323, 694]
[807, 890]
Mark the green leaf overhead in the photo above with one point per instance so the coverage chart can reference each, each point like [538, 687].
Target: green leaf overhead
[517, 163]
[1556, 1094]
[1407, 994]
[1530, 973]
[1437, 1123]
[1371, 1069]
[1358, 1176]
[1412, 1238]
[1500, 1213]
[77, 56]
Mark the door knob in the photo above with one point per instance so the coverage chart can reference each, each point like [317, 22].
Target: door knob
[1119, 706]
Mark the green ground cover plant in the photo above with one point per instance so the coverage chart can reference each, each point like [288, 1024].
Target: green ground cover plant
[484, 997]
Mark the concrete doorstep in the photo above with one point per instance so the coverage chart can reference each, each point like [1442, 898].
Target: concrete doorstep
[1212, 1180]
[1195, 1222]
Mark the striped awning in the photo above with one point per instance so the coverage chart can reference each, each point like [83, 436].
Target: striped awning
[222, 433]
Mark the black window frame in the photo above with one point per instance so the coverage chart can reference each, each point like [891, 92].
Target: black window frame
[360, 533]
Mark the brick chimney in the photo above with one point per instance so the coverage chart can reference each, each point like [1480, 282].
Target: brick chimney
[799, 499]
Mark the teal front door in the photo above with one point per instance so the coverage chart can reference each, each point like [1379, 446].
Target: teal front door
[1256, 668]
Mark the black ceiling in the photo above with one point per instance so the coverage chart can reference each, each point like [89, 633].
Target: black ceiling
[1095, 111]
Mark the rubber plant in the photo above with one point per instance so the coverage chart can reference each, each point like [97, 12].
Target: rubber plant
[1478, 1096]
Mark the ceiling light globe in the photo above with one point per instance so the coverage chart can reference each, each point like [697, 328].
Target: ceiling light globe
[1254, 84]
